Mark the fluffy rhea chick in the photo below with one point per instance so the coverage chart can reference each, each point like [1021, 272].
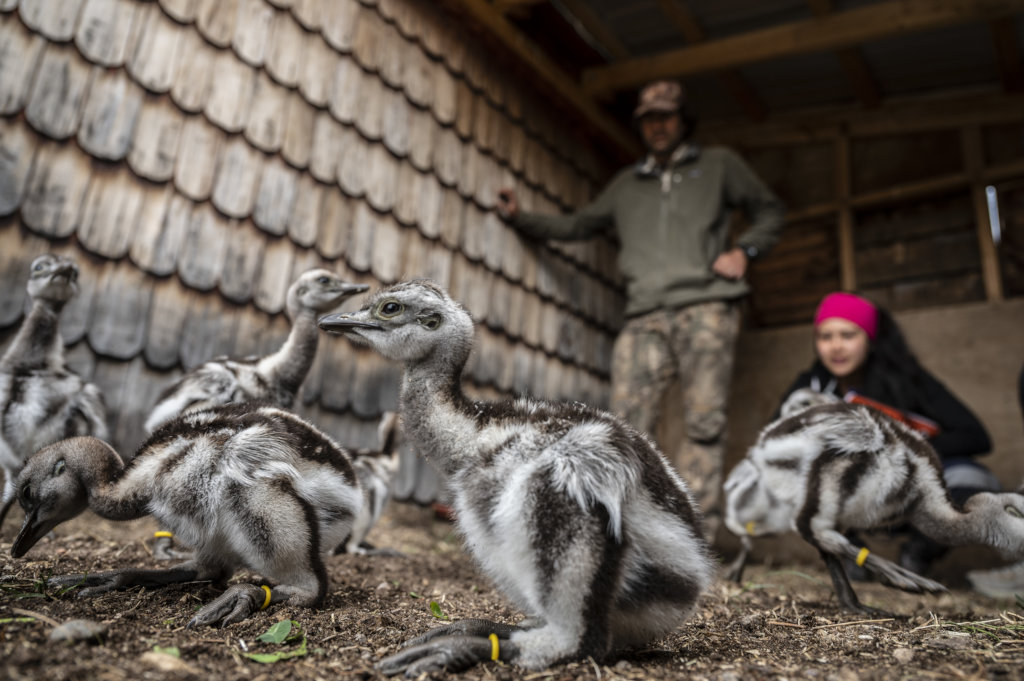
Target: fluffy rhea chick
[836, 467]
[275, 378]
[41, 401]
[252, 487]
[575, 515]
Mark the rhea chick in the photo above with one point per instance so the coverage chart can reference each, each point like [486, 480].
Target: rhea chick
[248, 487]
[275, 378]
[41, 401]
[836, 467]
[574, 514]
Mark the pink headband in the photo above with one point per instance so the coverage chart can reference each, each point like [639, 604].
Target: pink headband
[851, 308]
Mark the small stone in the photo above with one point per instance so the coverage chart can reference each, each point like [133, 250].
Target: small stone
[74, 631]
[167, 663]
[950, 640]
[383, 586]
[903, 655]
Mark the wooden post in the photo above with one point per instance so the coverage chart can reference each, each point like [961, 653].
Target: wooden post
[974, 163]
[847, 261]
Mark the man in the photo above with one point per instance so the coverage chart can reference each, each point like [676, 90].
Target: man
[671, 212]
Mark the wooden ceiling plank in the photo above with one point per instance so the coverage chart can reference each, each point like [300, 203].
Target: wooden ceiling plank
[598, 29]
[852, 63]
[831, 32]
[735, 83]
[1008, 54]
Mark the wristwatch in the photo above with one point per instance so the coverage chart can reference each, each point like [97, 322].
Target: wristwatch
[751, 251]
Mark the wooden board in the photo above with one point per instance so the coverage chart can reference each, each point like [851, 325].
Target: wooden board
[231, 92]
[53, 195]
[159, 229]
[117, 321]
[110, 213]
[275, 197]
[110, 116]
[157, 134]
[154, 60]
[252, 31]
[62, 81]
[53, 18]
[216, 20]
[193, 172]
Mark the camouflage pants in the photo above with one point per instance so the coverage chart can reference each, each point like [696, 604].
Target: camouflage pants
[694, 344]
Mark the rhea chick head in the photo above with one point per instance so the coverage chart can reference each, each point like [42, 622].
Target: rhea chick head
[407, 322]
[53, 278]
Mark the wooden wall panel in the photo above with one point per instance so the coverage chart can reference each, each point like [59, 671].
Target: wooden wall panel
[204, 153]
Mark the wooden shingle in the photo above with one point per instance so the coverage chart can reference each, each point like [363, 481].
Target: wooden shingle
[110, 115]
[298, 130]
[265, 128]
[199, 143]
[382, 179]
[60, 85]
[309, 13]
[153, 61]
[372, 100]
[275, 197]
[53, 18]
[417, 76]
[272, 286]
[531, 319]
[20, 51]
[387, 256]
[17, 151]
[231, 92]
[193, 79]
[333, 219]
[422, 130]
[451, 218]
[346, 89]
[339, 19]
[216, 20]
[53, 194]
[117, 326]
[427, 260]
[352, 164]
[110, 213]
[238, 174]
[428, 201]
[208, 331]
[359, 254]
[445, 95]
[375, 386]
[317, 73]
[285, 53]
[252, 30]
[105, 30]
[303, 221]
[203, 247]
[338, 360]
[395, 123]
[163, 218]
[242, 262]
[448, 157]
[372, 41]
[465, 105]
[328, 139]
[474, 239]
[407, 203]
[157, 136]
[183, 11]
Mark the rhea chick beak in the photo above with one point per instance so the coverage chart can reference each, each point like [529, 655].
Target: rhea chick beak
[344, 323]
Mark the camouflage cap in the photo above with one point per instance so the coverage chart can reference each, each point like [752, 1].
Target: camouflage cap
[663, 96]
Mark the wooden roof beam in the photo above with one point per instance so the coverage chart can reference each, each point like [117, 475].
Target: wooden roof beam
[515, 7]
[734, 82]
[624, 143]
[597, 29]
[851, 61]
[1004, 36]
[832, 32]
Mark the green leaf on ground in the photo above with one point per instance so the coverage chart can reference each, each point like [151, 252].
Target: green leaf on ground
[281, 632]
[270, 658]
[436, 611]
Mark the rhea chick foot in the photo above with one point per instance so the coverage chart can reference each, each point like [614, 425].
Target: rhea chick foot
[575, 515]
[248, 487]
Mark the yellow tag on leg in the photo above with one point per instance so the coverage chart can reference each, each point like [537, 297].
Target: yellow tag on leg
[862, 556]
[266, 601]
[749, 527]
[494, 646]
[163, 533]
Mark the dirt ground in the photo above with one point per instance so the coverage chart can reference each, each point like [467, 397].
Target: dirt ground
[782, 623]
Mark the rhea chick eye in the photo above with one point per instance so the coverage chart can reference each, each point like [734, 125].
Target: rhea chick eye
[389, 309]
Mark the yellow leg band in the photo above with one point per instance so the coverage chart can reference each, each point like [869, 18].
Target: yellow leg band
[163, 533]
[494, 646]
[266, 601]
[862, 556]
[749, 527]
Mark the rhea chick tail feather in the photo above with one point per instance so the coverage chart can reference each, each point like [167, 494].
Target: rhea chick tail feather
[576, 516]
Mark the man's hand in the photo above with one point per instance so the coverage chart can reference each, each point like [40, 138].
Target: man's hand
[731, 264]
[508, 204]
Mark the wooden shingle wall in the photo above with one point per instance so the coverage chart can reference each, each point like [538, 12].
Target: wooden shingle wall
[195, 156]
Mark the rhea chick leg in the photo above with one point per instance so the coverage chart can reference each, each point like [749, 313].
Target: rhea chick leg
[97, 583]
[453, 647]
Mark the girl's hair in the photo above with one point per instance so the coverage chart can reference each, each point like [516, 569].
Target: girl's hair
[892, 371]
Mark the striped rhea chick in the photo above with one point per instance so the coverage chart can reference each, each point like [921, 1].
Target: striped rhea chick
[836, 467]
[274, 378]
[248, 486]
[575, 515]
[797, 401]
[41, 400]
[375, 471]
